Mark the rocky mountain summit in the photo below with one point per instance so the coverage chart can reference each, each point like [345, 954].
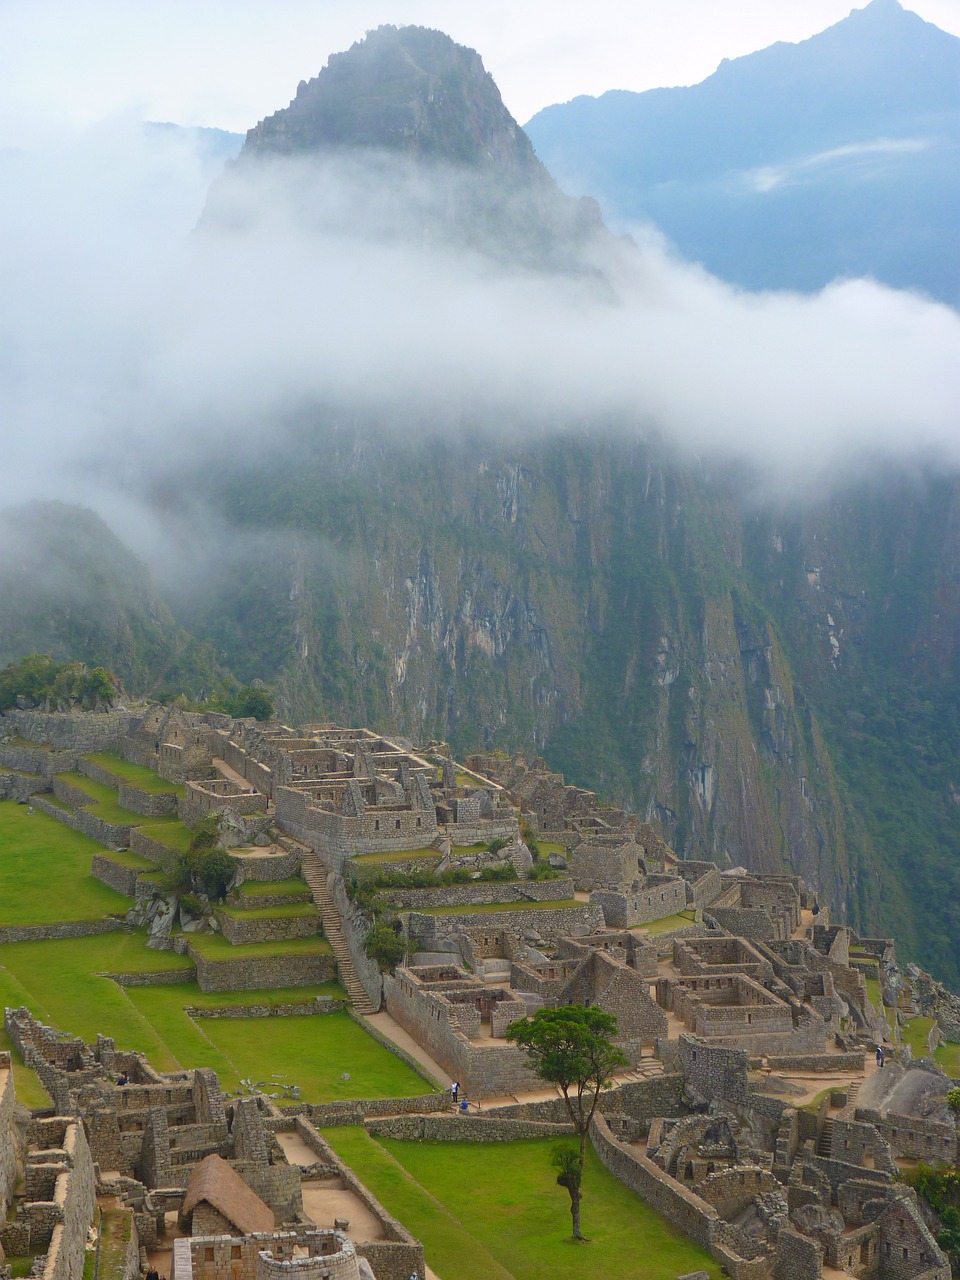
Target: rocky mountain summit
[409, 130]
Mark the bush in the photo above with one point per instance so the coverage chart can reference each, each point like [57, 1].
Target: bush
[542, 870]
[502, 871]
[384, 945]
[205, 867]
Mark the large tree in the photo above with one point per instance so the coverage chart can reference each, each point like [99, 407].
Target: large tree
[573, 1048]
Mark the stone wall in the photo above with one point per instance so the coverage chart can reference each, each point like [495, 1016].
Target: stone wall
[246, 928]
[65, 929]
[483, 1071]
[164, 855]
[84, 731]
[552, 924]
[113, 835]
[29, 757]
[482, 892]
[21, 786]
[355, 927]
[678, 1204]
[744, 922]
[151, 804]
[268, 866]
[660, 896]
[397, 1255]
[245, 973]
[464, 1127]
[9, 1142]
[914, 1137]
[123, 879]
[74, 1200]
[713, 1072]
[201, 798]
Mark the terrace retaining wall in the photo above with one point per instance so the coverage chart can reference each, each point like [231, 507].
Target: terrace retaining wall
[246, 973]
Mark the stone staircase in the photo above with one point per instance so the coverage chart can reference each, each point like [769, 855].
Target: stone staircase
[825, 1142]
[315, 874]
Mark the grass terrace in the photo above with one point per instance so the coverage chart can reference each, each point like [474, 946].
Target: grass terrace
[486, 908]
[270, 888]
[547, 847]
[61, 982]
[26, 1082]
[947, 1057]
[285, 911]
[213, 946]
[329, 1056]
[45, 871]
[136, 775]
[104, 803]
[170, 832]
[515, 1226]
[404, 855]
[914, 1033]
[666, 923]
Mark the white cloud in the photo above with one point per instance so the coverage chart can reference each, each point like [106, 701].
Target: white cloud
[132, 347]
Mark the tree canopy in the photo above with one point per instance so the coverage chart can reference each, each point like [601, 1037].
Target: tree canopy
[572, 1047]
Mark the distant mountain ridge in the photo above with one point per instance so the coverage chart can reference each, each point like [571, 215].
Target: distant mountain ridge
[837, 156]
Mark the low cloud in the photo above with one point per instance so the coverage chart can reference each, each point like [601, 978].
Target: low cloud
[857, 157]
[132, 347]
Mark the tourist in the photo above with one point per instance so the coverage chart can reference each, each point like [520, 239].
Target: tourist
[879, 1055]
[455, 1090]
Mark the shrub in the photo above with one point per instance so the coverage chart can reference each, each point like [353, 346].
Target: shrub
[542, 870]
[502, 871]
[384, 945]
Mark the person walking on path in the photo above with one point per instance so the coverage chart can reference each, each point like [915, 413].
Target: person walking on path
[455, 1090]
[879, 1055]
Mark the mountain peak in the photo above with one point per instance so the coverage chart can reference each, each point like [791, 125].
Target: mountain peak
[410, 90]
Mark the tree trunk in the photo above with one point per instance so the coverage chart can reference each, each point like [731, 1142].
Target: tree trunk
[575, 1212]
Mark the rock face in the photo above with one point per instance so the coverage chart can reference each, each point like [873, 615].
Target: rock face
[410, 130]
[403, 89]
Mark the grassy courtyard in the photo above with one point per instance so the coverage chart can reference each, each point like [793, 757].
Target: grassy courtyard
[516, 1224]
[135, 774]
[45, 871]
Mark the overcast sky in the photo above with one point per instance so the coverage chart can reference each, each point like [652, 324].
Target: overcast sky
[230, 62]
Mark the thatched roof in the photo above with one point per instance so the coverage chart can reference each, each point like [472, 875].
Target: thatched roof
[223, 1189]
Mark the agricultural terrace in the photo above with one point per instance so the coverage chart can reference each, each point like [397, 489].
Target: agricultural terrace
[515, 1226]
[72, 983]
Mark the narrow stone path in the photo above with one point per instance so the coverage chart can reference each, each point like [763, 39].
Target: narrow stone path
[315, 874]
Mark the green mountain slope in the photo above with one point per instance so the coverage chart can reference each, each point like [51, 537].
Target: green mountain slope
[72, 589]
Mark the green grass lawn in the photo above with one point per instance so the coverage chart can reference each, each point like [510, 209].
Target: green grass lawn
[285, 911]
[57, 980]
[515, 1226]
[45, 871]
[948, 1057]
[267, 888]
[213, 946]
[126, 858]
[404, 855]
[874, 994]
[136, 775]
[914, 1033]
[547, 847]
[26, 1082]
[170, 832]
[103, 801]
[484, 908]
[666, 923]
[315, 1053]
